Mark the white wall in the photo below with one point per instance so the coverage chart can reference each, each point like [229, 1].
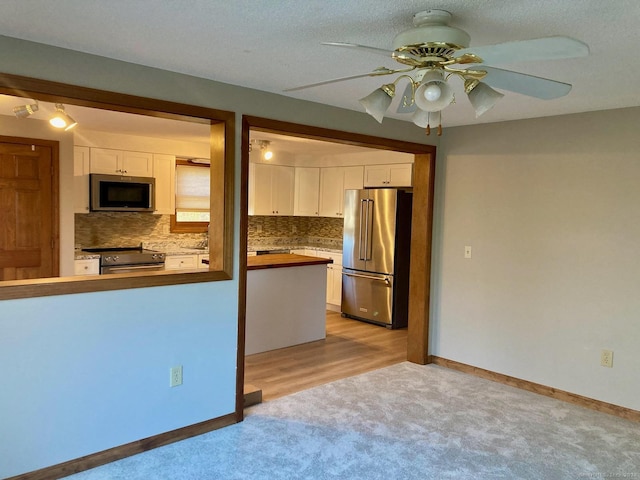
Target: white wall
[550, 208]
[88, 372]
[92, 138]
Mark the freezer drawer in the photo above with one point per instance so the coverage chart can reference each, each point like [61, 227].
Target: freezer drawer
[367, 296]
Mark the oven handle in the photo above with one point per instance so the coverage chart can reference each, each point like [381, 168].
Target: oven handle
[135, 267]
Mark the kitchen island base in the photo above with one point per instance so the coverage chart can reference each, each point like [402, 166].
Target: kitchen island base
[286, 305]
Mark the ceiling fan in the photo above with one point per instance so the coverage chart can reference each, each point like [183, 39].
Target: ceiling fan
[433, 51]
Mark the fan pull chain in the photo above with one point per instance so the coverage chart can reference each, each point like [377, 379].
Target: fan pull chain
[428, 129]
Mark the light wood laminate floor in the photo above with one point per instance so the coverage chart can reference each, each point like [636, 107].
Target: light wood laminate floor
[351, 347]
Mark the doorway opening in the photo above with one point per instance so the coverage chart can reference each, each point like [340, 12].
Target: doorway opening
[423, 156]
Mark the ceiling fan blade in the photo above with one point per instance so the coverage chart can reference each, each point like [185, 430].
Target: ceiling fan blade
[525, 84]
[375, 73]
[549, 48]
[379, 51]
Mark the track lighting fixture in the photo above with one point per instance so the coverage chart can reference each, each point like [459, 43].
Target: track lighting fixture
[23, 111]
[61, 119]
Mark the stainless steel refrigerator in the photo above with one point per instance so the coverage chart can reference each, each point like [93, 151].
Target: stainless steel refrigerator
[375, 261]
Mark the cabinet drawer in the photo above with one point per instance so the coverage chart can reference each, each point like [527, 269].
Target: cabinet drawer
[86, 267]
[181, 262]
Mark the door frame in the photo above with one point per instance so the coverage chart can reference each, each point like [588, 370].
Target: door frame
[54, 145]
[421, 230]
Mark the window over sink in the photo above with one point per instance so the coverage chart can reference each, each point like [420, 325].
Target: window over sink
[193, 190]
[219, 123]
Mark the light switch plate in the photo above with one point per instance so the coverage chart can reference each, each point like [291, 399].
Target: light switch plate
[467, 251]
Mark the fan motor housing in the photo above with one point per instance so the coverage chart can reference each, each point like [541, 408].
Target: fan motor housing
[431, 27]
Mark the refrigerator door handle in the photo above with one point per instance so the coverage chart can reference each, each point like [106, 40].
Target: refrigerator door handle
[384, 279]
[369, 247]
[362, 245]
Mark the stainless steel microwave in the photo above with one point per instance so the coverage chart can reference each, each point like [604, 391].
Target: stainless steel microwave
[121, 193]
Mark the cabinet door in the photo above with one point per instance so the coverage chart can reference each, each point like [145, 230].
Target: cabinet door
[282, 185]
[393, 175]
[307, 191]
[334, 294]
[376, 175]
[81, 179]
[331, 191]
[401, 175]
[104, 160]
[137, 164]
[260, 189]
[164, 171]
[353, 178]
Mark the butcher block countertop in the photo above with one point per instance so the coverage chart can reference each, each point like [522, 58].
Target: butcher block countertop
[282, 260]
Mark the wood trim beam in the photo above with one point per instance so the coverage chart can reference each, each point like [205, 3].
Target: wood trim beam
[111, 455]
[420, 260]
[575, 399]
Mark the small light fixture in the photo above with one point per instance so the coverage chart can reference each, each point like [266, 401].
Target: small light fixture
[23, 111]
[434, 93]
[263, 145]
[377, 102]
[481, 96]
[61, 119]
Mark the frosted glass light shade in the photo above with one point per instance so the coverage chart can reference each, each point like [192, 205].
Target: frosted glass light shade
[434, 93]
[483, 98]
[377, 102]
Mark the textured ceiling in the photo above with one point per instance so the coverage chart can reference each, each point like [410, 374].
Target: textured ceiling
[276, 44]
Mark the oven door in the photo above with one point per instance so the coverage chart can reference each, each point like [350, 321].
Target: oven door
[151, 267]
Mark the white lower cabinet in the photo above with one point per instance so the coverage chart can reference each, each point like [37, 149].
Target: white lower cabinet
[334, 277]
[181, 262]
[86, 267]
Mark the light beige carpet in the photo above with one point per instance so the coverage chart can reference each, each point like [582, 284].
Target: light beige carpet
[402, 422]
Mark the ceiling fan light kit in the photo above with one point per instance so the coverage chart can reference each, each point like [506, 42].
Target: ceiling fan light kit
[435, 51]
[378, 102]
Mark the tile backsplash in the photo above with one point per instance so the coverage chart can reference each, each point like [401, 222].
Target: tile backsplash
[268, 230]
[128, 229]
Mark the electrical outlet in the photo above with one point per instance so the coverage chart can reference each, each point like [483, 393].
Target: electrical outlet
[259, 228]
[606, 358]
[175, 374]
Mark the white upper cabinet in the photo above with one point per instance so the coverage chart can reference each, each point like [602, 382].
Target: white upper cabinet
[271, 189]
[164, 171]
[393, 175]
[121, 162]
[333, 182]
[307, 191]
[81, 179]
